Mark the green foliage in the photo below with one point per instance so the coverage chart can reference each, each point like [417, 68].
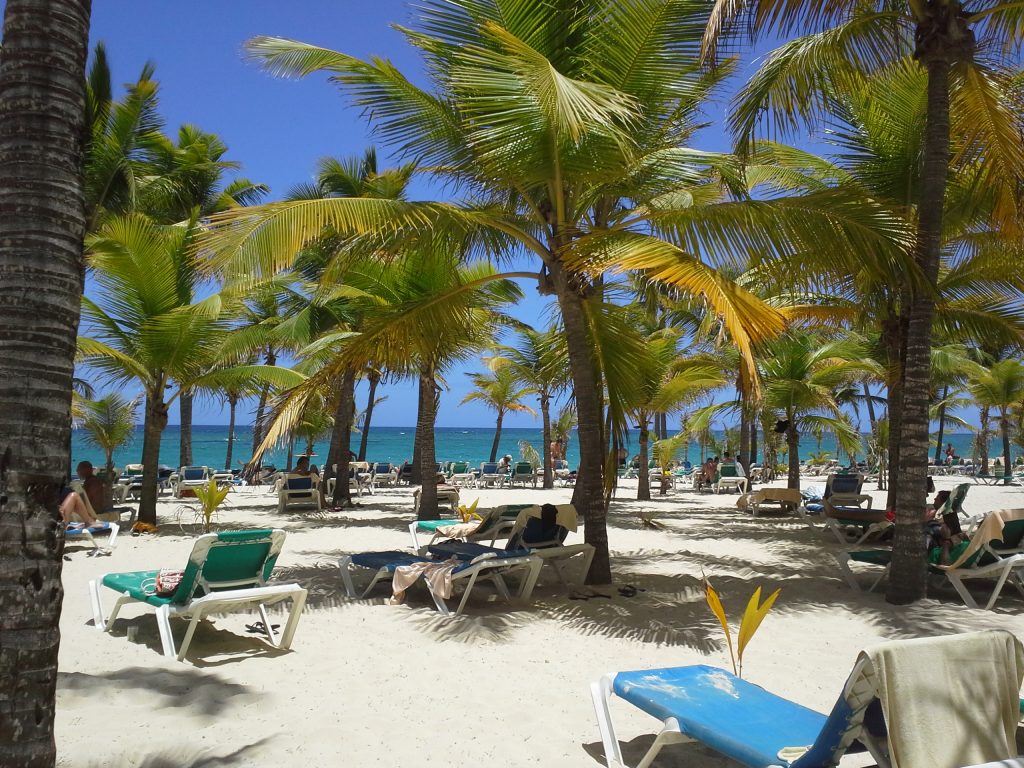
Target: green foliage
[210, 499]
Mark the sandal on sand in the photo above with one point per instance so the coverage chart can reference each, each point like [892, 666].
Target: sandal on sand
[259, 628]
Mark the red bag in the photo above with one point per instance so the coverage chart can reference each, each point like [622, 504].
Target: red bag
[167, 581]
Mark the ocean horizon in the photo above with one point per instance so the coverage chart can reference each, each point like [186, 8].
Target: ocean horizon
[394, 444]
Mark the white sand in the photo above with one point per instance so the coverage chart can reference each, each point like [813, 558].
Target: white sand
[371, 684]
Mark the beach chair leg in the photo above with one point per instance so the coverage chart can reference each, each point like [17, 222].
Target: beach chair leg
[163, 623]
[502, 587]
[344, 565]
[111, 541]
[588, 559]
[187, 641]
[412, 535]
[97, 607]
[1003, 576]
[530, 581]
[843, 560]
[298, 603]
[601, 692]
[267, 626]
[121, 600]
[465, 595]
[837, 531]
[961, 589]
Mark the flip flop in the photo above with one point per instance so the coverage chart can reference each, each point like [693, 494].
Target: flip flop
[259, 628]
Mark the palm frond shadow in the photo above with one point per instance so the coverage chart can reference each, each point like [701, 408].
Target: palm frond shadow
[175, 758]
[183, 686]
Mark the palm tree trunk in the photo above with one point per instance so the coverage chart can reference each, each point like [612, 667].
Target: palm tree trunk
[643, 488]
[259, 423]
[185, 445]
[374, 378]
[907, 577]
[417, 441]
[984, 438]
[893, 334]
[793, 444]
[744, 453]
[588, 495]
[428, 457]
[942, 425]
[1004, 427]
[870, 406]
[232, 406]
[545, 417]
[753, 445]
[42, 228]
[154, 423]
[497, 435]
[291, 454]
[341, 440]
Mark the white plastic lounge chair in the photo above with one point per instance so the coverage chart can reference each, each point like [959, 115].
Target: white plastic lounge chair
[298, 491]
[996, 552]
[384, 474]
[486, 566]
[461, 476]
[523, 472]
[359, 479]
[76, 530]
[490, 476]
[729, 478]
[190, 478]
[446, 494]
[759, 729]
[226, 573]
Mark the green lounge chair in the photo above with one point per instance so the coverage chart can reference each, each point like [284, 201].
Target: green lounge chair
[524, 473]
[729, 477]
[226, 572]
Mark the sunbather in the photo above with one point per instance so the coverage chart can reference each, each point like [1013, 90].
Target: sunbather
[92, 485]
[73, 509]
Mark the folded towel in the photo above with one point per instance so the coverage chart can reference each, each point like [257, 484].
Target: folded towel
[990, 529]
[949, 701]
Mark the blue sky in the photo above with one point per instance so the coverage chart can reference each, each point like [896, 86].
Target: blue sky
[278, 128]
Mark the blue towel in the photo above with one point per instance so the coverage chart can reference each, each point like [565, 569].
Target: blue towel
[466, 550]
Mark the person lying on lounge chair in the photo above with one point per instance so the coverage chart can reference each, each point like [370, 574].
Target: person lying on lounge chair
[946, 541]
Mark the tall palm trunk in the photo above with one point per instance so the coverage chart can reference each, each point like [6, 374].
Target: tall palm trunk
[753, 444]
[588, 496]
[869, 402]
[417, 441]
[154, 423]
[1004, 428]
[893, 334]
[374, 378]
[793, 444]
[428, 456]
[643, 488]
[232, 407]
[497, 435]
[744, 453]
[342, 438]
[984, 437]
[545, 417]
[42, 227]
[260, 422]
[185, 445]
[942, 424]
[940, 38]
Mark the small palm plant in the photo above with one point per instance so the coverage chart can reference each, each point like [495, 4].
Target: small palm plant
[752, 618]
[210, 498]
[108, 423]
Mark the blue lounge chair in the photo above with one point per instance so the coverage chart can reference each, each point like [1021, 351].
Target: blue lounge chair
[492, 566]
[75, 530]
[759, 729]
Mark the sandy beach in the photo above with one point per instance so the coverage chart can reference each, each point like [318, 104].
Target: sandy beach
[372, 684]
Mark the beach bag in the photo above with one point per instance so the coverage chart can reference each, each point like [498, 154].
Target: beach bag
[165, 584]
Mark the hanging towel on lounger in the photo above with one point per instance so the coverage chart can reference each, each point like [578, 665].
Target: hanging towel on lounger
[438, 574]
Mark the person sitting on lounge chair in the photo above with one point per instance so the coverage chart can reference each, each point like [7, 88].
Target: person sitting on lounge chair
[93, 486]
[72, 507]
[947, 542]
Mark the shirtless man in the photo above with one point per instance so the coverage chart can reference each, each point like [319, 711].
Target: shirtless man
[93, 486]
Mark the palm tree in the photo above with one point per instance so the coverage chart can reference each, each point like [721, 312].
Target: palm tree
[800, 374]
[500, 391]
[943, 38]
[42, 226]
[143, 326]
[540, 361]
[563, 126]
[109, 423]
[1001, 387]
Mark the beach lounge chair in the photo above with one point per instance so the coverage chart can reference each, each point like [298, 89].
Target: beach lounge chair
[996, 552]
[845, 508]
[981, 675]
[384, 475]
[446, 494]
[79, 530]
[729, 477]
[490, 476]
[132, 478]
[493, 524]
[460, 475]
[490, 566]
[359, 479]
[226, 573]
[523, 472]
[298, 491]
[188, 479]
[542, 534]
[778, 500]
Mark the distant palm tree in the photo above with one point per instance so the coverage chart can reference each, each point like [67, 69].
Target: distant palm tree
[500, 391]
[109, 423]
[1001, 387]
[42, 226]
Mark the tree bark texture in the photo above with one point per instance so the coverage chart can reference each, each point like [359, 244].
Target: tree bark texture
[545, 417]
[153, 424]
[232, 407]
[42, 230]
[416, 477]
[984, 437]
[907, 577]
[497, 435]
[588, 496]
[793, 444]
[942, 424]
[185, 444]
[893, 334]
[428, 456]
[643, 487]
[343, 436]
[374, 378]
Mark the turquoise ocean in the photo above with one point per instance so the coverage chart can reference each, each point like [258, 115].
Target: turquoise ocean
[394, 444]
